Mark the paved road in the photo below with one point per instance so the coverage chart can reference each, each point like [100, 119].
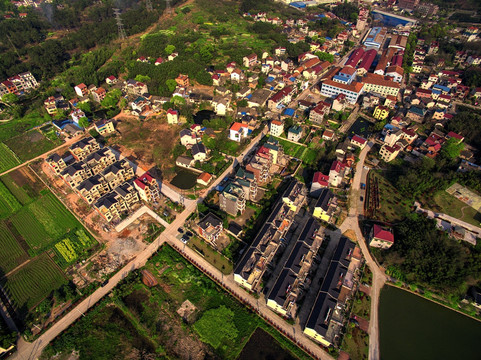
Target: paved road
[379, 278]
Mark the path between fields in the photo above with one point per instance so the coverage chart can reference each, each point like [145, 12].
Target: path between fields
[18, 267]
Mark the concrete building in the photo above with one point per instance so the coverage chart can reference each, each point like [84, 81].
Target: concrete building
[380, 237]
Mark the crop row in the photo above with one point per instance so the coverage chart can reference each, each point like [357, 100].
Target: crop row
[12, 253]
[8, 203]
[8, 159]
[66, 249]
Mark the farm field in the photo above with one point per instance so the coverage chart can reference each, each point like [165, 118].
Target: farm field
[43, 221]
[216, 327]
[29, 285]
[8, 203]
[8, 159]
[12, 253]
[23, 184]
[30, 144]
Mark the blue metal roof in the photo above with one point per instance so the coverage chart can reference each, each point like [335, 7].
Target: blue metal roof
[289, 112]
[270, 79]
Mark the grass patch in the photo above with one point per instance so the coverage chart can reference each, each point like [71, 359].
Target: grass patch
[448, 204]
[394, 207]
[362, 305]
[8, 159]
[211, 255]
[356, 343]
[8, 203]
[12, 253]
[33, 282]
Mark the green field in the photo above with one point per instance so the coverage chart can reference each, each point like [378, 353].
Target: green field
[17, 191]
[23, 184]
[306, 154]
[30, 144]
[12, 253]
[72, 247]
[33, 282]
[448, 204]
[44, 221]
[8, 203]
[8, 159]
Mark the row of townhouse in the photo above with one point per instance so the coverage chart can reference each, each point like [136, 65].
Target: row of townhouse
[102, 180]
[18, 84]
[248, 273]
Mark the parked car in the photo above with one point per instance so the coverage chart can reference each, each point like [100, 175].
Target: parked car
[189, 234]
[180, 230]
[362, 199]
[184, 239]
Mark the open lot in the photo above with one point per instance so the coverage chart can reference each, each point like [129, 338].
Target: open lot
[31, 144]
[448, 204]
[211, 255]
[218, 327]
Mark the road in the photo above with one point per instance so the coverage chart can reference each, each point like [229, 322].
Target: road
[32, 350]
[379, 278]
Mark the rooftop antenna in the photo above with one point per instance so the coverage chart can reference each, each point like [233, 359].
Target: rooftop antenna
[148, 5]
[120, 25]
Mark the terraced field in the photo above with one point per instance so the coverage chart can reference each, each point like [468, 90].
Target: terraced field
[33, 282]
[8, 159]
[12, 253]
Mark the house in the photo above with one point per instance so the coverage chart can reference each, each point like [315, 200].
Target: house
[221, 104]
[99, 160]
[389, 153]
[58, 163]
[81, 149]
[99, 94]
[317, 114]
[339, 103]
[453, 135]
[276, 128]
[199, 152]
[142, 59]
[294, 133]
[172, 116]
[283, 96]
[328, 135]
[184, 161]
[250, 60]
[381, 237]
[324, 205]
[76, 173]
[81, 90]
[188, 137]
[135, 88]
[50, 105]
[111, 80]
[319, 181]
[259, 98]
[118, 173]
[104, 127]
[358, 141]
[336, 173]
[380, 84]
[158, 61]
[238, 131]
[93, 188]
[381, 112]
[416, 114]
[236, 75]
[232, 199]
[172, 56]
[147, 187]
[395, 72]
[182, 80]
[210, 227]
[204, 179]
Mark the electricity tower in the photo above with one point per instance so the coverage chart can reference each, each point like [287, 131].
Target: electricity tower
[120, 25]
[168, 8]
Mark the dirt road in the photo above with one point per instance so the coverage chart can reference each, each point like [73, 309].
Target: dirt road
[379, 278]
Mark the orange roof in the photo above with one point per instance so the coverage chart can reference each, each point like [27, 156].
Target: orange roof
[276, 122]
[354, 86]
[205, 177]
[380, 80]
[237, 126]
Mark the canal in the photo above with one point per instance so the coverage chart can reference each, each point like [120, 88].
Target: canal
[414, 328]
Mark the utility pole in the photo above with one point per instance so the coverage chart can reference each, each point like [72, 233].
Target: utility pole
[120, 25]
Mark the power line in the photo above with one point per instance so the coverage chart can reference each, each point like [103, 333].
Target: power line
[120, 25]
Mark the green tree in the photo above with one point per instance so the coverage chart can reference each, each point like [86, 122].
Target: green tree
[10, 98]
[85, 107]
[142, 78]
[84, 122]
[112, 98]
[452, 148]
[171, 84]
[169, 49]
[216, 326]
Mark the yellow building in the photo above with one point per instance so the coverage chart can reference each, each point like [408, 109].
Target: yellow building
[322, 209]
[381, 112]
[380, 84]
[104, 127]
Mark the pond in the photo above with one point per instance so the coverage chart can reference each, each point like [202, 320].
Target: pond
[262, 346]
[184, 179]
[202, 115]
[360, 127]
[412, 327]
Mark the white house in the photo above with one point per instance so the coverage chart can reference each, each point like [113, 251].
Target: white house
[172, 116]
[238, 131]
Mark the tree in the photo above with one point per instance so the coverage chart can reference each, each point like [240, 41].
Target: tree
[452, 148]
[10, 98]
[216, 326]
[171, 84]
[112, 98]
[84, 122]
[169, 49]
[85, 107]
[242, 103]
[123, 103]
[142, 78]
